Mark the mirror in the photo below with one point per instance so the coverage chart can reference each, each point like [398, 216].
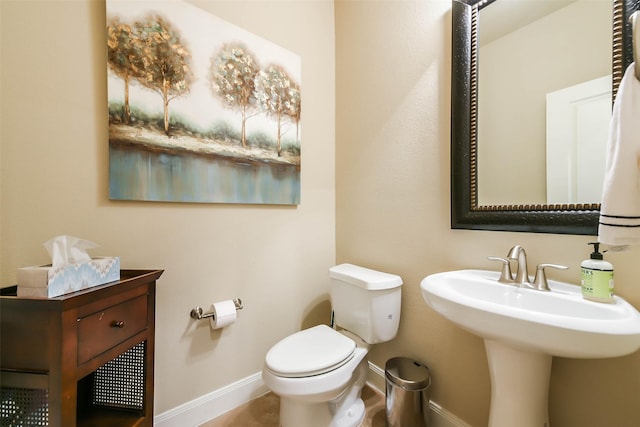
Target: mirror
[540, 60]
[470, 209]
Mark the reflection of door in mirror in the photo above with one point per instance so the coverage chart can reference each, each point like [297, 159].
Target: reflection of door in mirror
[566, 44]
[577, 130]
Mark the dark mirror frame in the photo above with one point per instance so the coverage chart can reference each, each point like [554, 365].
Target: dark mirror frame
[465, 211]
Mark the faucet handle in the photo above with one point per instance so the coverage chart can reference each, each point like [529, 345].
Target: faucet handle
[505, 276]
[540, 281]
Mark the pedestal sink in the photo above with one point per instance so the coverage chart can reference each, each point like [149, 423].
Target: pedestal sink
[523, 328]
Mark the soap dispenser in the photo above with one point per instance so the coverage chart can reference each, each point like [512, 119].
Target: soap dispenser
[597, 277]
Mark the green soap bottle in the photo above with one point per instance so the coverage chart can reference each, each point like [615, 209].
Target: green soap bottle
[597, 277]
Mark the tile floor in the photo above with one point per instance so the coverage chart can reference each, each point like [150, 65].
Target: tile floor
[263, 412]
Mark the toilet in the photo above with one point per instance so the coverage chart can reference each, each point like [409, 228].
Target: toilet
[319, 372]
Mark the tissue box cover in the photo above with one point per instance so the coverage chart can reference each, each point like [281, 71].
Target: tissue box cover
[43, 281]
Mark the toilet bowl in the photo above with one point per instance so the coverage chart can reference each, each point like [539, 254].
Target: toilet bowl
[319, 372]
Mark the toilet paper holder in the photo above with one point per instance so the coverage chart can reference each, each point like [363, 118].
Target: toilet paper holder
[198, 313]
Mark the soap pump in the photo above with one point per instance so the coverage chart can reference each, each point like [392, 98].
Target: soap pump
[597, 277]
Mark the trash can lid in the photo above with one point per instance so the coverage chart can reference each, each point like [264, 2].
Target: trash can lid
[407, 373]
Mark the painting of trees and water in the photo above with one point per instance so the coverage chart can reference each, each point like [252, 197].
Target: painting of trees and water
[199, 110]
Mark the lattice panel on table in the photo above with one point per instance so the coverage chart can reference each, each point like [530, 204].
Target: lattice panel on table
[120, 382]
[23, 407]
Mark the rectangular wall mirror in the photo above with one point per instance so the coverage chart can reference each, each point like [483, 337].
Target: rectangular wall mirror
[522, 70]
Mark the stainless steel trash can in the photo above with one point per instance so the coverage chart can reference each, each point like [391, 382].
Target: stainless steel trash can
[407, 393]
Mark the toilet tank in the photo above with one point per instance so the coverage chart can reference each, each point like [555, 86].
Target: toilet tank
[365, 302]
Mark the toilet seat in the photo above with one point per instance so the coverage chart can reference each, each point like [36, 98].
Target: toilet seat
[310, 352]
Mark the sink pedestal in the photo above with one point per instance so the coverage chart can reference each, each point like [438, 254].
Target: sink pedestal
[519, 386]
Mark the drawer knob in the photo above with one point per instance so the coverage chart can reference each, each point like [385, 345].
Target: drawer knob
[118, 324]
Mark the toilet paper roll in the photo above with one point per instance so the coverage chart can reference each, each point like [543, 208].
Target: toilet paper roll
[224, 313]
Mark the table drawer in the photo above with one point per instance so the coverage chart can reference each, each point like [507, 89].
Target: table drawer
[100, 331]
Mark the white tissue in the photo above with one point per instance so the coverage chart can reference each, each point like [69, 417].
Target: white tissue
[224, 313]
[65, 250]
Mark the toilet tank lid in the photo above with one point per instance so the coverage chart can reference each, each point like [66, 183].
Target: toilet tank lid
[366, 278]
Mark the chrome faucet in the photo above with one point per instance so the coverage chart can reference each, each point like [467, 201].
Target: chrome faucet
[517, 253]
[522, 275]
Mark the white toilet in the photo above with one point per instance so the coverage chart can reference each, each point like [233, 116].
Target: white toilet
[319, 372]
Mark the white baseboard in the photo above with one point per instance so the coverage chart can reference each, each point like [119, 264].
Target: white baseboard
[214, 404]
[218, 402]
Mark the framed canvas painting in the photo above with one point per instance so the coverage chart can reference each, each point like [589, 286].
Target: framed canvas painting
[200, 110]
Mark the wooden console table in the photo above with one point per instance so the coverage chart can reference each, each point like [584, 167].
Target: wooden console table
[82, 359]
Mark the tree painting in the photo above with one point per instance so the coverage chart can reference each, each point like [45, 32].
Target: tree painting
[232, 74]
[123, 57]
[226, 137]
[274, 90]
[165, 61]
[152, 54]
[294, 107]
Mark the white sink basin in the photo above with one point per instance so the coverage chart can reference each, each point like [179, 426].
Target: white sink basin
[558, 323]
[523, 328]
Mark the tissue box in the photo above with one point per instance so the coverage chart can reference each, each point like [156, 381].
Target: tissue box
[43, 281]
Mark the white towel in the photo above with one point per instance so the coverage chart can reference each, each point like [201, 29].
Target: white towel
[620, 209]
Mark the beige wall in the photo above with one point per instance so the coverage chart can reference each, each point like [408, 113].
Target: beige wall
[392, 204]
[54, 181]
